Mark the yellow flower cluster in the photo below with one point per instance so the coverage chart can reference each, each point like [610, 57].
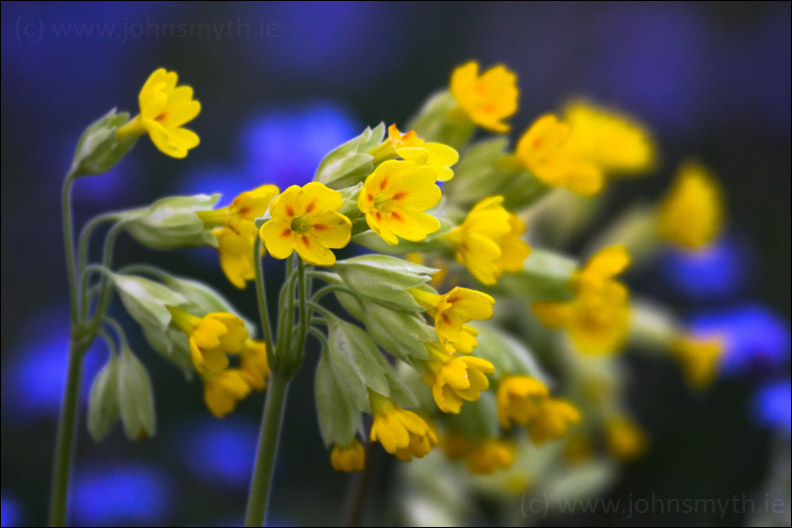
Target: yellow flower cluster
[402, 433]
[485, 99]
[410, 147]
[350, 458]
[597, 317]
[483, 457]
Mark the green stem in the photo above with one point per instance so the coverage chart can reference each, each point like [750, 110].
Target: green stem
[261, 294]
[319, 308]
[267, 448]
[304, 284]
[321, 292]
[68, 239]
[83, 245]
[105, 292]
[286, 308]
[67, 430]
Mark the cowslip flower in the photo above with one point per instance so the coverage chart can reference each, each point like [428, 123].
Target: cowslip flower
[410, 147]
[455, 445]
[454, 379]
[222, 390]
[699, 357]
[348, 459]
[452, 311]
[254, 364]
[487, 242]
[402, 433]
[518, 399]
[691, 214]
[236, 232]
[304, 219]
[164, 108]
[625, 440]
[211, 337]
[486, 99]
[394, 197]
[490, 455]
[552, 420]
[597, 317]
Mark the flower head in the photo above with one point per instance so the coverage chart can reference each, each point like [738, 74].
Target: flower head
[452, 311]
[305, 219]
[691, 215]
[222, 390]
[597, 317]
[487, 99]
[348, 459]
[699, 357]
[410, 147]
[254, 364]
[490, 455]
[552, 420]
[518, 399]
[394, 197]
[488, 242]
[454, 379]
[164, 108]
[211, 337]
[402, 433]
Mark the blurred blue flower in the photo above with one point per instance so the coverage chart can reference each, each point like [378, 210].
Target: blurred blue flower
[219, 452]
[127, 493]
[34, 378]
[718, 272]
[10, 512]
[772, 406]
[757, 339]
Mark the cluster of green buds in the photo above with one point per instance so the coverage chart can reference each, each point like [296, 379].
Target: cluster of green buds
[454, 316]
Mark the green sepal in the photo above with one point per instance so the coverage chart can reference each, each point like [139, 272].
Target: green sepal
[371, 240]
[509, 355]
[136, 397]
[103, 408]
[439, 120]
[98, 150]
[545, 277]
[350, 163]
[145, 300]
[338, 415]
[172, 223]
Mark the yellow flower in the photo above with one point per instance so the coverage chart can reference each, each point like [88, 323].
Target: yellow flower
[455, 445]
[552, 420]
[691, 214]
[410, 147]
[452, 311]
[222, 390]
[254, 364]
[394, 197]
[211, 337]
[305, 219]
[348, 459]
[624, 438]
[518, 399]
[490, 455]
[454, 379]
[487, 99]
[699, 357]
[597, 317]
[488, 242]
[164, 108]
[402, 433]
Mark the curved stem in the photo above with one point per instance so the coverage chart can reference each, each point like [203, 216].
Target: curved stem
[321, 292]
[83, 245]
[107, 261]
[271, 421]
[286, 310]
[319, 308]
[67, 431]
[68, 239]
[261, 295]
[320, 336]
[304, 284]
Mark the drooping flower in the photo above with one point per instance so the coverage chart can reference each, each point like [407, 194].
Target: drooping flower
[699, 357]
[304, 219]
[490, 455]
[222, 390]
[164, 108]
[488, 242]
[254, 364]
[452, 311]
[518, 399]
[625, 440]
[486, 99]
[350, 458]
[597, 317]
[552, 420]
[211, 337]
[691, 214]
[394, 198]
[402, 433]
[454, 379]
[410, 147]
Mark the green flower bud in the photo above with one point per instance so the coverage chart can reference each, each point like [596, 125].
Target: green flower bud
[545, 277]
[350, 163]
[98, 149]
[172, 222]
[439, 121]
[135, 397]
[145, 300]
[103, 409]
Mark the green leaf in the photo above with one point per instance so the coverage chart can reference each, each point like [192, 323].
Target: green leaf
[171, 222]
[103, 409]
[350, 163]
[136, 397]
[98, 150]
[384, 279]
[339, 417]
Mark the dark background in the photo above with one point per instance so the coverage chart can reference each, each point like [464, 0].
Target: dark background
[281, 84]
